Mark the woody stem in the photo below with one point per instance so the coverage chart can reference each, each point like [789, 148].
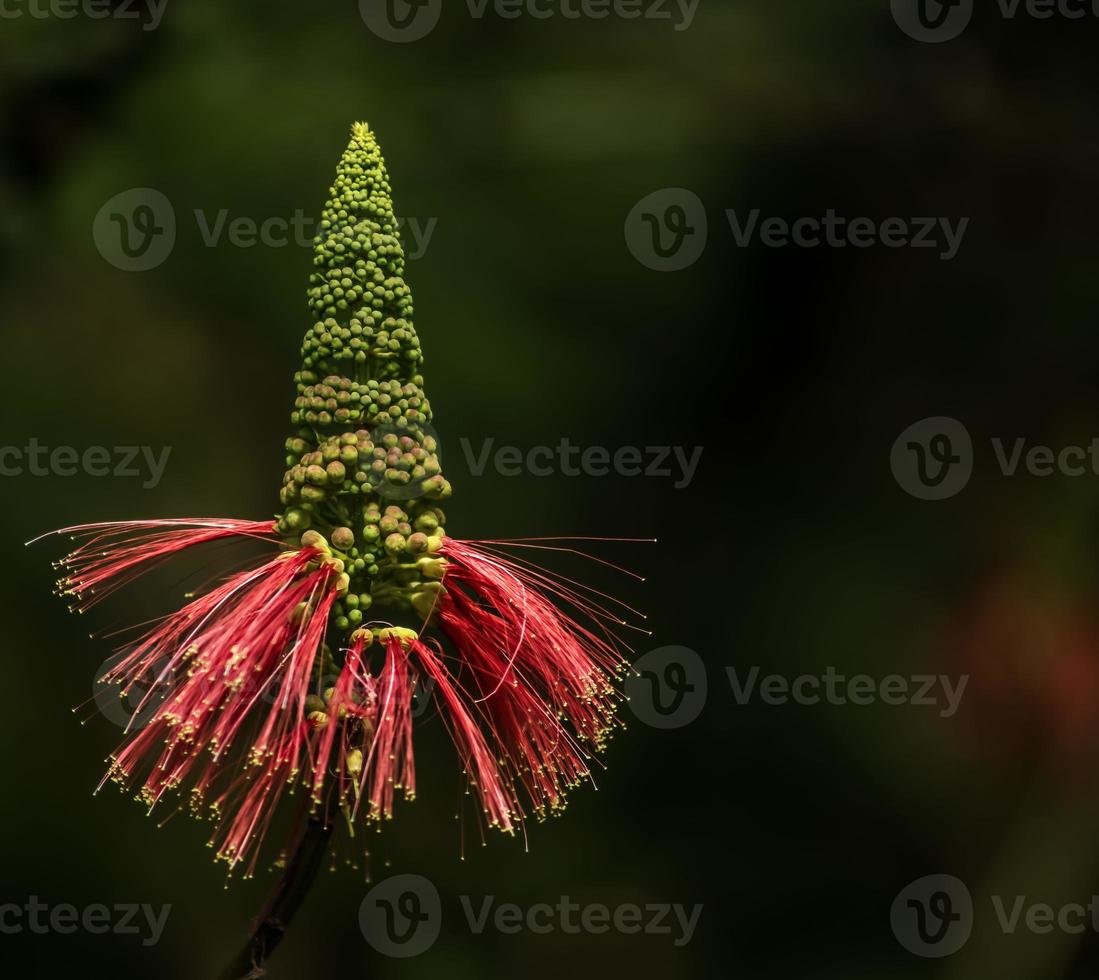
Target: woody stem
[272, 923]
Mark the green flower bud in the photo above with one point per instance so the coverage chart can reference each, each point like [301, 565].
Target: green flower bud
[314, 539]
[297, 520]
[426, 600]
[343, 538]
[432, 568]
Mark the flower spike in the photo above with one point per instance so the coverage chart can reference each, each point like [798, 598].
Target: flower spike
[300, 670]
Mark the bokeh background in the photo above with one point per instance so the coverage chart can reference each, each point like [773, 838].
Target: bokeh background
[794, 549]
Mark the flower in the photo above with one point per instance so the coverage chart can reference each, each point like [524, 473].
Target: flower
[285, 674]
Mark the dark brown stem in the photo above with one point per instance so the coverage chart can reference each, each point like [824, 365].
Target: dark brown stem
[272, 923]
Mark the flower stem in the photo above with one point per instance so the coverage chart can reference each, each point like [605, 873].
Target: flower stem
[272, 923]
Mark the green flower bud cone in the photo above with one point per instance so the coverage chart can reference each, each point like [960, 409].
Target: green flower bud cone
[361, 416]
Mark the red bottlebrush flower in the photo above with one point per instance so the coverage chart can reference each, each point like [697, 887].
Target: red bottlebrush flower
[302, 669]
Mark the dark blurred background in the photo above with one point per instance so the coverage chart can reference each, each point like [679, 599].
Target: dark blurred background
[528, 142]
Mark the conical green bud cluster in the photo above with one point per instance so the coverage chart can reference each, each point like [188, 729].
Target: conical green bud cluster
[363, 472]
[358, 293]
